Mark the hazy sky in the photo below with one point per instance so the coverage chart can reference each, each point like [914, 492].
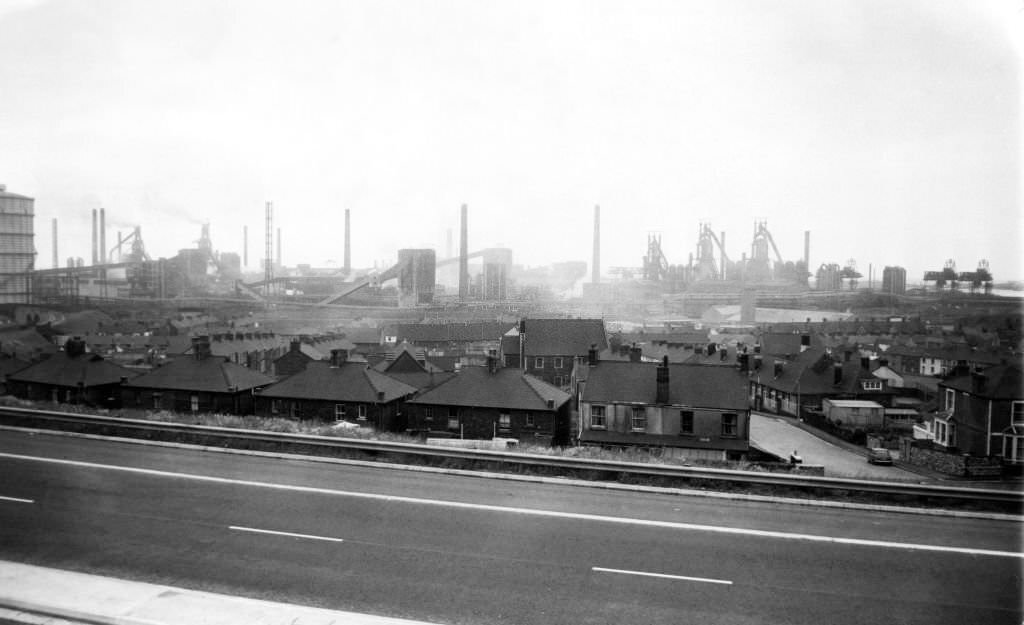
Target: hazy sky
[889, 128]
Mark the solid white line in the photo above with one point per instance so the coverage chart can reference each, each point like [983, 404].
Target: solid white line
[530, 511]
[16, 500]
[291, 534]
[707, 580]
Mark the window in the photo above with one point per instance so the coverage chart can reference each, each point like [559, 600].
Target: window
[339, 412]
[730, 423]
[639, 420]
[361, 415]
[872, 385]
[529, 420]
[1013, 448]
[686, 422]
[1017, 413]
[193, 403]
[597, 417]
[275, 406]
[945, 433]
[538, 363]
[560, 380]
[156, 401]
[504, 420]
[950, 400]
[453, 418]
[559, 363]
[428, 414]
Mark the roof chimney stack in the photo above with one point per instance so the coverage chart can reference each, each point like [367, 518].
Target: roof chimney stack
[661, 394]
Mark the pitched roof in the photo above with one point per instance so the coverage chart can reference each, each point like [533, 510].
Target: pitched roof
[62, 370]
[349, 382]
[452, 332]
[505, 388]
[699, 386]
[211, 375]
[1000, 382]
[563, 337]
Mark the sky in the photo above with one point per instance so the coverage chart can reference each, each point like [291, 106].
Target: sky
[889, 129]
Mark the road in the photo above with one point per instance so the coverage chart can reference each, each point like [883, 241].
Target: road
[453, 549]
[781, 438]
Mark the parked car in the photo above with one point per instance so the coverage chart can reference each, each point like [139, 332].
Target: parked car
[879, 455]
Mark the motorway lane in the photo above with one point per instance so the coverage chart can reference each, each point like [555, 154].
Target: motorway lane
[433, 562]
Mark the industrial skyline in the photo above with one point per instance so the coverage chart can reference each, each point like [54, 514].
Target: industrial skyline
[891, 133]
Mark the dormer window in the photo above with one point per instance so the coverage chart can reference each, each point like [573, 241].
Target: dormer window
[872, 385]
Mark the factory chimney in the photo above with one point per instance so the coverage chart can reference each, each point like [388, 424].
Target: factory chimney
[55, 261]
[348, 243]
[807, 250]
[723, 254]
[94, 240]
[279, 263]
[463, 257]
[103, 236]
[595, 276]
[245, 246]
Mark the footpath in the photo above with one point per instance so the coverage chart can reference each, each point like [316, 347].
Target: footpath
[33, 594]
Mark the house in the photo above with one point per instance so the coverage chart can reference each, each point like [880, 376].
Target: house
[200, 382]
[9, 365]
[411, 366]
[255, 350]
[780, 385]
[338, 390]
[476, 338]
[492, 401]
[302, 351]
[982, 414]
[548, 348]
[685, 411]
[73, 376]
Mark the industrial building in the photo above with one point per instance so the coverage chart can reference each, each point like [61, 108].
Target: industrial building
[17, 247]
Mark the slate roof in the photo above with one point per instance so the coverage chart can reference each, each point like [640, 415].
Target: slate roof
[560, 337]
[349, 382]
[452, 332]
[62, 370]
[505, 388]
[699, 386]
[1000, 382]
[10, 364]
[209, 375]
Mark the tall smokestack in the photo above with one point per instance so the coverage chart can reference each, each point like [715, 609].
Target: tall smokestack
[245, 246]
[464, 255]
[723, 254]
[94, 240]
[55, 260]
[279, 263]
[807, 250]
[595, 276]
[103, 236]
[348, 243]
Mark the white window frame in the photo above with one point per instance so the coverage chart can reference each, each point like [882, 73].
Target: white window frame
[872, 385]
[538, 362]
[949, 401]
[361, 412]
[1013, 448]
[428, 414]
[504, 421]
[453, 418]
[1017, 413]
[559, 362]
[339, 412]
[598, 417]
[193, 403]
[945, 432]
[529, 420]
[638, 419]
